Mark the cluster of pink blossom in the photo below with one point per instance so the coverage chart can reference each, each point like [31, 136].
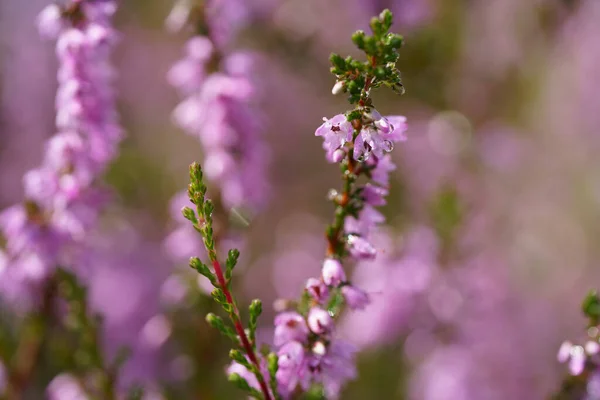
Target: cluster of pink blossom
[62, 198]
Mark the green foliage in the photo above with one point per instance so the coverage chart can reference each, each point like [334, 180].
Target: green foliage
[591, 307]
[242, 384]
[203, 269]
[217, 323]
[232, 259]
[255, 311]
[381, 48]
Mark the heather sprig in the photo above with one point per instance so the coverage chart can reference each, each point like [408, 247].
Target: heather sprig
[311, 358]
[202, 221]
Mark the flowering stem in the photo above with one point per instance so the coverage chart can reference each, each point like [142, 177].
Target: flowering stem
[235, 316]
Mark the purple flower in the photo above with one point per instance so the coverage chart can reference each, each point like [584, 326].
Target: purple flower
[381, 173]
[368, 218]
[379, 138]
[374, 195]
[355, 298]
[360, 248]
[335, 368]
[319, 321]
[317, 290]
[290, 326]
[292, 369]
[333, 272]
[336, 132]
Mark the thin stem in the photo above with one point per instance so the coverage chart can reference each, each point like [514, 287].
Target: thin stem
[235, 316]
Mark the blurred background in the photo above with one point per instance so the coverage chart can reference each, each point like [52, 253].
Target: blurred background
[493, 215]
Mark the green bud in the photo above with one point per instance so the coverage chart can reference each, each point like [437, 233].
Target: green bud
[255, 311]
[232, 258]
[196, 173]
[189, 214]
[255, 308]
[337, 61]
[591, 306]
[272, 362]
[352, 87]
[203, 270]
[241, 383]
[217, 323]
[395, 41]
[371, 45]
[386, 17]
[218, 295]
[380, 73]
[358, 38]
[377, 27]
[237, 356]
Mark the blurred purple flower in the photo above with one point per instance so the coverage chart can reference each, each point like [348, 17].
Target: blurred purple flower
[61, 202]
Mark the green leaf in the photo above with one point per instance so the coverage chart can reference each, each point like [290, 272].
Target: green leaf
[337, 61]
[371, 45]
[218, 295]
[394, 41]
[232, 258]
[239, 357]
[241, 383]
[203, 269]
[189, 214]
[359, 39]
[255, 311]
[387, 19]
[336, 303]
[217, 322]
[377, 27]
[272, 363]
[591, 307]
[273, 366]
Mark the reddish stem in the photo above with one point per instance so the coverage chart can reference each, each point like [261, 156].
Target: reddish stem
[240, 330]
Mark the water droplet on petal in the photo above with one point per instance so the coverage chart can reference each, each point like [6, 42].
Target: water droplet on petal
[388, 146]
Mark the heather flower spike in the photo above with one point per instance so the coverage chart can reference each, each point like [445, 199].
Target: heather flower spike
[308, 357]
[44, 238]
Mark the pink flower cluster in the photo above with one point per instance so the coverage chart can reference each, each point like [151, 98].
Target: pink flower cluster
[62, 200]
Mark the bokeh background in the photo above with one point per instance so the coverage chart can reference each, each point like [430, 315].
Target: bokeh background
[493, 215]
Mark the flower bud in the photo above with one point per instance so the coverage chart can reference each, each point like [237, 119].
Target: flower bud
[333, 272]
[337, 88]
[319, 321]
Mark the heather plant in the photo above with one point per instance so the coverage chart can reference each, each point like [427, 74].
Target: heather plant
[307, 357]
[430, 307]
